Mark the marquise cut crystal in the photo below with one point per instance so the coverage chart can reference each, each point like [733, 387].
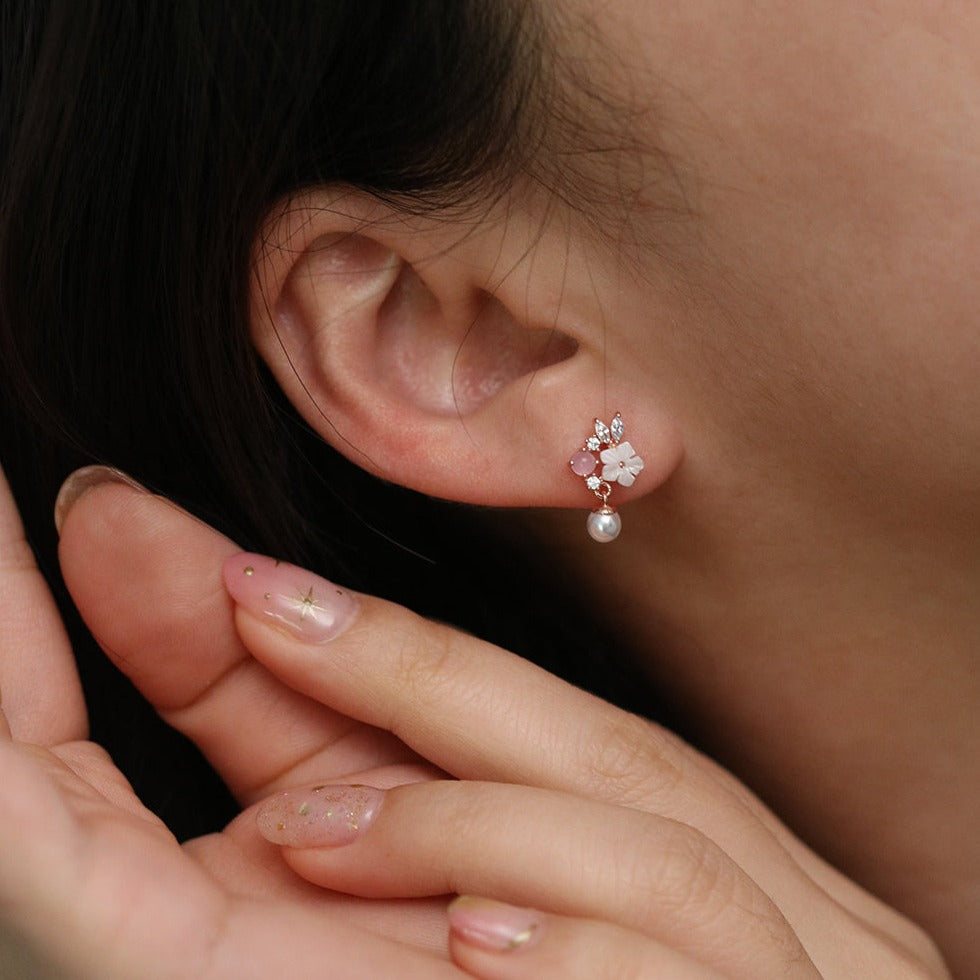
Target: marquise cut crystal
[602, 431]
[616, 428]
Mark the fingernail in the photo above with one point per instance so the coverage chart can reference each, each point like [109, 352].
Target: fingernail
[325, 816]
[80, 482]
[493, 925]
[310, 607]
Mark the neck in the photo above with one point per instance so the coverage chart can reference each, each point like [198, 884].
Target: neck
[841, 687]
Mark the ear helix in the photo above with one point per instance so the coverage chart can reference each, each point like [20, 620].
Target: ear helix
[620, 464]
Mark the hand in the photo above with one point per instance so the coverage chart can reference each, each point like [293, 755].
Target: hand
[625, 852]
[481, 714]
[94, 879]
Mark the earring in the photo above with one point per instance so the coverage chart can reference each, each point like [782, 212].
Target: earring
[619, 465]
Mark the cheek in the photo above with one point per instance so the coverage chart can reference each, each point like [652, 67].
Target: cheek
[828, 332]
[836, 191]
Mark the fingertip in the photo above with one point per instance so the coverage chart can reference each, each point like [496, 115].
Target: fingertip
[309, 607]
[80, 482]
[493, 926]
[495, 941]
[321, 816]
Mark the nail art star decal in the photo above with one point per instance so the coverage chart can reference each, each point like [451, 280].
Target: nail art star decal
[305, 605]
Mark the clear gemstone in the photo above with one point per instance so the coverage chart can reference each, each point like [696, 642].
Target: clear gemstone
[592, 443]
[593, 482]
[602, 431]
[616, 427]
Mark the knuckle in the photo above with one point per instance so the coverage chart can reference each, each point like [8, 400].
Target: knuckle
[631, 762]
[690, 884]
[464, 816]
[423, 655]
[428, 662]
[683, 869]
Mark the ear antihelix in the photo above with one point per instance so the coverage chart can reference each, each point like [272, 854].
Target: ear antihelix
[352, 269]
[325, 311]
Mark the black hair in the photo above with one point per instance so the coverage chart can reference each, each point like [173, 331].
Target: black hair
[141, 148]
[144, 145]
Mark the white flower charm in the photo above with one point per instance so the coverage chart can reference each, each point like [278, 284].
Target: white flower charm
[620, 464]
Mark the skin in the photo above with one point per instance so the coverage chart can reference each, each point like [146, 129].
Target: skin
[813, 564]
[716, 887]
[774, 284]
[777, 291]
[786, 320]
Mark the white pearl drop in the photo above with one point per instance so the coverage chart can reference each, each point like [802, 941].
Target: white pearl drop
[604, 525]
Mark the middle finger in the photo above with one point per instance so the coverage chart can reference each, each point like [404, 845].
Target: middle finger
[544, 849]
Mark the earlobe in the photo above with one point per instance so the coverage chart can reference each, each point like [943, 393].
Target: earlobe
[391, 346]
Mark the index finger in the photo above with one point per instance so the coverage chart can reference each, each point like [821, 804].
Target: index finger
[42, 697]
[510, 721]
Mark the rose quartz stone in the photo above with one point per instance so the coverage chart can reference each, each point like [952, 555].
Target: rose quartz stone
[582, 463]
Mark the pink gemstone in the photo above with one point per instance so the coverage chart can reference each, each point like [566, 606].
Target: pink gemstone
[582, 463]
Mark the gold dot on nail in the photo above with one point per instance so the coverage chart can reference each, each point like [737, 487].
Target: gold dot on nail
[522, 937]
[304, 809]
[280, 826]
[340, 592]
[267, 596]
[248, 570]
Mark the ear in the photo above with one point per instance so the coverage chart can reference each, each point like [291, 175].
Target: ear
[399, 341]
